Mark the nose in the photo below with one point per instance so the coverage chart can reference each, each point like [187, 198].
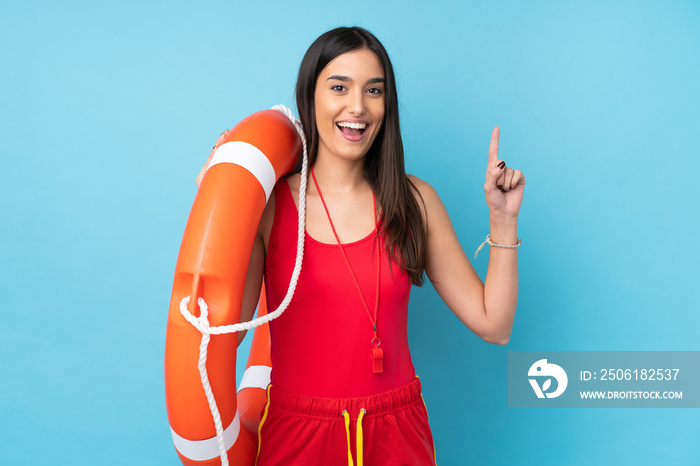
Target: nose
[356, 102]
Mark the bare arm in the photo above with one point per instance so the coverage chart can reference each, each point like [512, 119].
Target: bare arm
[253, 283]
[487, 309]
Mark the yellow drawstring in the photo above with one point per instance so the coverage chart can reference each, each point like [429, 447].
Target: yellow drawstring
[358, 439]
[347, 430]
[359, 452]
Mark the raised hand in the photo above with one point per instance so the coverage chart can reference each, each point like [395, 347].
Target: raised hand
[504, 186]
[211, 154]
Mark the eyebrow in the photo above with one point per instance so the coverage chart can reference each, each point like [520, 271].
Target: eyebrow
[347, 79]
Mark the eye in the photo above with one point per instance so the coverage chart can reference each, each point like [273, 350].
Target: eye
[375, 91]
[338, 88]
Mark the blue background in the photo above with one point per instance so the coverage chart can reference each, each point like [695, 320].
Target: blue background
[108, 111]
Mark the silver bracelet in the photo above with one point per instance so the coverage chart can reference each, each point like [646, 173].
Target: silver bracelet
[491, 243]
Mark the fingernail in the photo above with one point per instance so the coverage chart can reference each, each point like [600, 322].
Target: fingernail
[501, 165]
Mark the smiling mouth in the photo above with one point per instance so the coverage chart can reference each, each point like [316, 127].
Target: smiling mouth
[352, 130]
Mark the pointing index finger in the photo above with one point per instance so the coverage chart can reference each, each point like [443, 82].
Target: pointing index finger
[493, 147]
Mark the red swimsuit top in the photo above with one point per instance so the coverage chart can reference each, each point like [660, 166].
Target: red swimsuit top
[321, 343]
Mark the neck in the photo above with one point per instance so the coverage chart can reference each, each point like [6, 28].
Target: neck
[340, 177]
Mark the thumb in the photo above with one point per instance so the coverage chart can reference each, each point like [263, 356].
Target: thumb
[493, 175]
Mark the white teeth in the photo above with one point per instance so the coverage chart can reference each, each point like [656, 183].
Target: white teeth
[347, 124]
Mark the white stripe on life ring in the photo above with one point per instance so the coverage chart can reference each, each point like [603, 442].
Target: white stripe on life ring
[249, 157]
[256, 377]
[203, 450]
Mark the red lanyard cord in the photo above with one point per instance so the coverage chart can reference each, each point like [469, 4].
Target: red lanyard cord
[375, 341]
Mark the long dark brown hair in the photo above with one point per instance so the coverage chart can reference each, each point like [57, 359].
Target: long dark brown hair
[402, 222]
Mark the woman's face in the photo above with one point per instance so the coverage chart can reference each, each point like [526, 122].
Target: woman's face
[349, 103]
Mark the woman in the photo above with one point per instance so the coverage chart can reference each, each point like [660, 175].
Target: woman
[342, 378]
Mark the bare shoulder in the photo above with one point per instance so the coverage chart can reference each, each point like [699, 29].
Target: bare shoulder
[425, 194]
[422, 186]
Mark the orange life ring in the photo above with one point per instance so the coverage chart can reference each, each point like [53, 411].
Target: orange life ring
[212, 265]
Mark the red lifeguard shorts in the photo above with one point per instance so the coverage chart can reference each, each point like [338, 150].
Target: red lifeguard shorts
[389, 428]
